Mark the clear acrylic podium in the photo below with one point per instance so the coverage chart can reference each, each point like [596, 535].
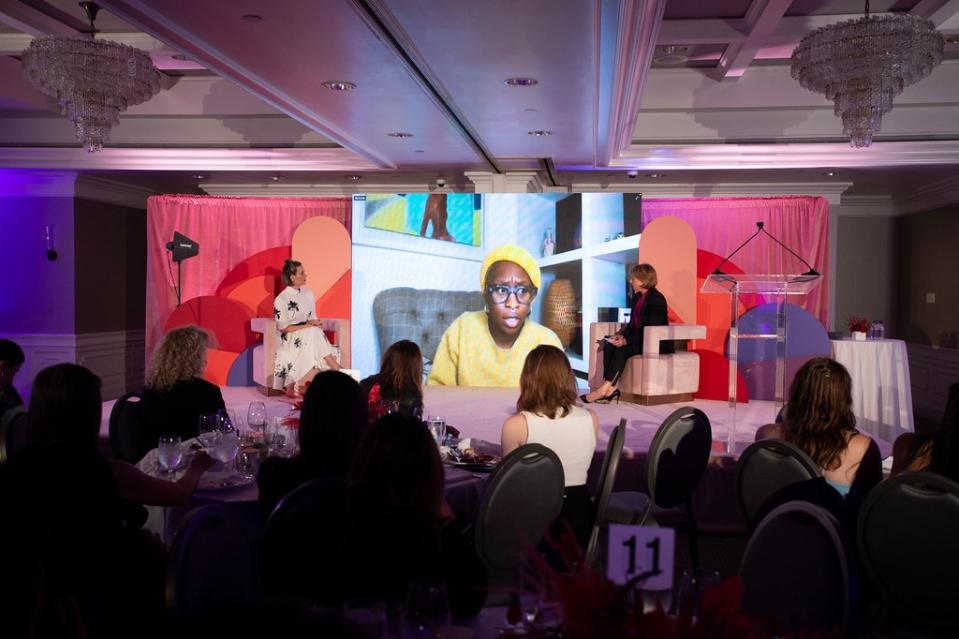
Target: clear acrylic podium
[778, 286]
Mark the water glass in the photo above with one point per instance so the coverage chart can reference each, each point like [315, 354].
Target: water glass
[281, 439]
[226, 445]
[427, 612]
[169, 454]
[247, 462]
[437, 426]
[694, 583]
[223, 422]
[205, 424]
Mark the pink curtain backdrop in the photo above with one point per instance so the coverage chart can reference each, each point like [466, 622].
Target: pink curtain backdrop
[228, 231]
[722, 224]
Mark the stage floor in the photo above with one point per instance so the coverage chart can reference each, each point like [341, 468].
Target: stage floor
[480, 412]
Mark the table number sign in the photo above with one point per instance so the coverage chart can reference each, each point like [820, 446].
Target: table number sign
[639, 550]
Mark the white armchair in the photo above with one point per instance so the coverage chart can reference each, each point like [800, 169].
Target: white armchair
[651, 378]
[264, 354]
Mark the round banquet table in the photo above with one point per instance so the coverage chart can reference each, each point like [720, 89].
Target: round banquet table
[464, 490]
[881, 391]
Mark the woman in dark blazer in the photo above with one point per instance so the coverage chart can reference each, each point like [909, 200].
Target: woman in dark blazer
[649, 309]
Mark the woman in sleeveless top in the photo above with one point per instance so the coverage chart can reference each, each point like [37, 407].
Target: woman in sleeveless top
[546, 414]
[820, 421]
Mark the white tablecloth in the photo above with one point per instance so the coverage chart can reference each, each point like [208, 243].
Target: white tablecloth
[881, 392]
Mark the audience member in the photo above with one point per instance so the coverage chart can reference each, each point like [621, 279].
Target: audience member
[937, 452]
[399, 527]
[820, 421]
[175, 396]
[11, 359]
[399, 384]
[331, 422]
[547, 414]
[65, 409]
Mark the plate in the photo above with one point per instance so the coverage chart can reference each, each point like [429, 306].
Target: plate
[224, 480]
[486, 467]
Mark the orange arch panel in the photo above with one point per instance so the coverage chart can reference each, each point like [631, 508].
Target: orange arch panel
[337, 301]
[324, 246]
[669, 244]
[218, 364]
[257, 294]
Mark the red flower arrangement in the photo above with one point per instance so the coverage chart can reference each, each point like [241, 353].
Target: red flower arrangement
[858, 324]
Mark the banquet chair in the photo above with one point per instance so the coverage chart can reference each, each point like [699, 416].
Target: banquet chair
[523, 496]
[125, 429]
[908, 537]
[13, 432]
[766, 467]
[651, 378]
[306, 524]
[212, 566]
[795, 571]
[675, 464]
[607, 478]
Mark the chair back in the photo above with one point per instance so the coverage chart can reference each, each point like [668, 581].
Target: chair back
[13, 432]
[211, 564]
[125, 428]
[766, 467]
[781, 415]
[908, 535]
[523, 496]
[795, 570]
[307, 524]
[677, 457]
[607, 478]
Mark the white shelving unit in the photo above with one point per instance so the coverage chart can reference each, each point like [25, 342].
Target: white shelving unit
[597, 269]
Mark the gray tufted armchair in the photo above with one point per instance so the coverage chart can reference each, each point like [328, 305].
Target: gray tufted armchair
[420, 315]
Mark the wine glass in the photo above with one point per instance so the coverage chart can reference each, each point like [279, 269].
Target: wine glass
[427, 609]
[256, 417]
[206, 424]
[169, 454]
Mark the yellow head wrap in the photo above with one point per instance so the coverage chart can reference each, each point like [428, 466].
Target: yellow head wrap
[515, 254]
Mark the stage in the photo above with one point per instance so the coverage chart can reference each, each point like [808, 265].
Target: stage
[480, 413]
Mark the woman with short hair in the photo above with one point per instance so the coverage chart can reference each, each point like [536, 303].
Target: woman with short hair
[302, 350]
[649, 309]
[546, 413]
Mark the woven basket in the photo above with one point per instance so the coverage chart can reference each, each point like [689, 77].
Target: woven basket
[559, 310]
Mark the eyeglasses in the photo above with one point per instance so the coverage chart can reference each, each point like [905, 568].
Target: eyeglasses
[500, 293]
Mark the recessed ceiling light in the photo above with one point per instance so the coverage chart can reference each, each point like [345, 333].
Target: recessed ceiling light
[671, 54]
[953, 39]
[339, 85]
[354, 177]
[199, 177]
[400, 134]
[181, 56]
[419, 151]
[829, 173]
[530, 110]
[539, 133]
[521, 82]
[655, 175]
[253, 17]
[276, 178]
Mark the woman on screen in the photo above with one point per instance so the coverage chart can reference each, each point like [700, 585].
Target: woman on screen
[649, 309]
[488, 348]
[302, 350]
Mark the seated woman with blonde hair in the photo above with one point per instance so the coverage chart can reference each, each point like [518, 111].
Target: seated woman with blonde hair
[175, 395]
[820, 421]
[546, 414]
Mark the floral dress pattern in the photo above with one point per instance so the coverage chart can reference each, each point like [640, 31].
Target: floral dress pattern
[298, 352]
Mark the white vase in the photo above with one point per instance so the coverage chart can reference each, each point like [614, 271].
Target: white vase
[859, 335]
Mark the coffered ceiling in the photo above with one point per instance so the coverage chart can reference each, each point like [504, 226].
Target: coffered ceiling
[696, 90]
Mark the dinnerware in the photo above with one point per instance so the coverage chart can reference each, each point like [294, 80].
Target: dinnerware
[223, 480]
[169, 454]
[477, 467]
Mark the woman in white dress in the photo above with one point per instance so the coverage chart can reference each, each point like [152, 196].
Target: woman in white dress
[546, 414]
[302, 349]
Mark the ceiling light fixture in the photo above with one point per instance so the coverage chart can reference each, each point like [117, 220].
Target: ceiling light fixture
[399, 134]
[253, 17]
[539, 133]
[521, 82]
[953, 39]
[199, 177]
[829, 173]
[862, 64]
[339, 85]
[655, 175]
[671, 54]
[92, 80]
[354, 178]
[276, 178]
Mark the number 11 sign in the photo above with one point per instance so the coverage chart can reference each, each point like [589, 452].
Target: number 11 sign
[641, 550]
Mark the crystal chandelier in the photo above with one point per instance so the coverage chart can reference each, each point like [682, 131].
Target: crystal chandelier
[862, 64]
[92, 80]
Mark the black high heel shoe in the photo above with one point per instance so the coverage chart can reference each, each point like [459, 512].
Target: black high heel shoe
[583, 399]
[614, 395]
